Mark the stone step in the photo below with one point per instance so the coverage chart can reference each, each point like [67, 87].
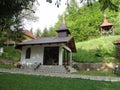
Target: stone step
[52, 69]
[71, 69]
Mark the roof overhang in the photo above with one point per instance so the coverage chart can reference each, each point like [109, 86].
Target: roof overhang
[117, 42]
[71, 45]
[69, 41]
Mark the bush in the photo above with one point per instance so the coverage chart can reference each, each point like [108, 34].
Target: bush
[96, 50]
[10, 53]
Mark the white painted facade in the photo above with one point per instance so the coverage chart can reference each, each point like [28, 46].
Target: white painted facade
[1, 50]
[37, 53]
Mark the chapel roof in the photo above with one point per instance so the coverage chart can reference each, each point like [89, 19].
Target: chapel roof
[69, 41]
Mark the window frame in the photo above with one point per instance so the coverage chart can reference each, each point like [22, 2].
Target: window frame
[28, 53]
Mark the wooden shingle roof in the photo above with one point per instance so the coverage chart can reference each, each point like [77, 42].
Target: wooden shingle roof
[63, 28]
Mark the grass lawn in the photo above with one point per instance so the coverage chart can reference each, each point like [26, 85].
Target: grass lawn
[6, 66]
[96, 50]
[97, 73]
[30, 82]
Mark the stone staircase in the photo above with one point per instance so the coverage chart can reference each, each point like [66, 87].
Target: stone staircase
[52, 69]
[38, 68]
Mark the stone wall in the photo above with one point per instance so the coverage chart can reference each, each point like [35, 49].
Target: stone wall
[94, 66]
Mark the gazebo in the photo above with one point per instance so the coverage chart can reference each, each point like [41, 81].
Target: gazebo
[106, 28]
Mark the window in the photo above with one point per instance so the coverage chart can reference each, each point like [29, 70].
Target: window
[28, 53]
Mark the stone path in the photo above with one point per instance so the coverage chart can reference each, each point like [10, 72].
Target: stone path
[31, 72]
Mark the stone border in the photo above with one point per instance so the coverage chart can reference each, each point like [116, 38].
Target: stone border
[31, 72]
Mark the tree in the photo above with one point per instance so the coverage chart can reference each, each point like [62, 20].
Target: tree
[104, 3]
[45, 33]
[10, 16]
[14, 7]
[109, 4]
[84, 22]
[38, 33]
[51, 32]
[10, 10]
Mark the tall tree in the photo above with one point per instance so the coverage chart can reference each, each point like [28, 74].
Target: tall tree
[45, 33]
[51, 32]
[38, 33]
[11, 10]
[104, 3]
[84, 22]
[10, 15]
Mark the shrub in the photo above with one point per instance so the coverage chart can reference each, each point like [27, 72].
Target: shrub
[10, 53]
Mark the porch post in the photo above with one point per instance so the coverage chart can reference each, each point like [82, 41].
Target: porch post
[70, 58]
[60, 56]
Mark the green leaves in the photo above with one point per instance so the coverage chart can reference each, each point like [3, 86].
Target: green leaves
[108, 4]
[84, 22]
[11, 7]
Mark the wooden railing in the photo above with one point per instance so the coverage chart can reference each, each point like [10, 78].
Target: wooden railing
[37, 66]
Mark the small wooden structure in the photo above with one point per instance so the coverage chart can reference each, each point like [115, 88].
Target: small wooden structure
[106, 28]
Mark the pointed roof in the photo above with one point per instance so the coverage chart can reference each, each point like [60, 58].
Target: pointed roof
[63, 28]
[106, 23]
[117, 42]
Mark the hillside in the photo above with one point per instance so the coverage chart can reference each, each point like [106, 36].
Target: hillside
[96, 50]
[84, 22]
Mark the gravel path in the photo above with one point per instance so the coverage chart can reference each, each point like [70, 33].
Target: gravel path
[31, 72]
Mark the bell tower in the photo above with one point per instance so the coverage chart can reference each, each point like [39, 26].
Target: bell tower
[63, 30]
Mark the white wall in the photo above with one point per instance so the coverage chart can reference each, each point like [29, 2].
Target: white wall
[60, 56]
[36, 54]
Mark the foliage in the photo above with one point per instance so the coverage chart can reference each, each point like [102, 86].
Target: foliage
[13, 7]
[11, 10]
[6, 66]
[48, 32]
[97, 73]
[84, 22]
[30, 82]
[96, 50]
[110, 4]
[104, 3]
[11, 15]
[117, 23]
[10, 53]
[45, 33]
[38, 33]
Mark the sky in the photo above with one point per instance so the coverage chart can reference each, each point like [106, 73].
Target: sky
[47, 15]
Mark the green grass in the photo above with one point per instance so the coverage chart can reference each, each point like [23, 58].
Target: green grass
[10, 53]
[29, 82]
[97, 73]
[6, 66]
[96, 50]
